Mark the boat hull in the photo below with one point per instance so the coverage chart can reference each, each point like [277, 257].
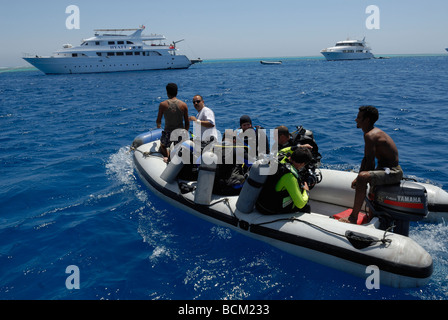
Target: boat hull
[332, 56]
[315, 236]
[52, 65]
[271, 62]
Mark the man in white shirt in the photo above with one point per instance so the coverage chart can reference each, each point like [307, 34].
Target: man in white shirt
[205, 119]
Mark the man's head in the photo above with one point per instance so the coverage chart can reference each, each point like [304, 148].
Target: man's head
[283, 134]
[245, 122]
[171, 90]
[301, 157]
[198, 102]
[367, 113]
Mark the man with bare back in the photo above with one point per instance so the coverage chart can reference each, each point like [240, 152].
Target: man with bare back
[175, 112]
[379, 145]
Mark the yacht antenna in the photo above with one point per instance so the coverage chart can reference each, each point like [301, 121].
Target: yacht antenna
[174, 42]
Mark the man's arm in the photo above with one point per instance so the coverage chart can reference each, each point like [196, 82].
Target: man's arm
[368, 163]
[186, 118]
[290, 183]
[159, 115]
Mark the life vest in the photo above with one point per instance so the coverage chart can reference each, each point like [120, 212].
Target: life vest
[271, 201]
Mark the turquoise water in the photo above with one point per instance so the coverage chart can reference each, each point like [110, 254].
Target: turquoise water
[70, 195]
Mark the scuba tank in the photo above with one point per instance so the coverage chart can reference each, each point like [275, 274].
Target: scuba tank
[180, 156]
[252, 187]
[206, 178]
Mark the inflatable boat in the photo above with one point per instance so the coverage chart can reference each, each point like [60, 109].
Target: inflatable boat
[381, 242]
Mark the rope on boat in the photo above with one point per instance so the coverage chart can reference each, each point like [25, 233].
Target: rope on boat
[358, 240]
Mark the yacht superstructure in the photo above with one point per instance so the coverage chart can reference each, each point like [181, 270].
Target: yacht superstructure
[110, 51]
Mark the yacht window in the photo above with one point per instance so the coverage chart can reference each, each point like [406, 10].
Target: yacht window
[153, 53]
[129, 42]
[97, 43]
[129, 53]
[120, 42]
[120, 54]
[74, 55]
[109, 54]
[137, 53]
[111, 42]
[98, 54]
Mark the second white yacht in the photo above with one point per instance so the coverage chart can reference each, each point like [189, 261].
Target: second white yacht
[348, 50]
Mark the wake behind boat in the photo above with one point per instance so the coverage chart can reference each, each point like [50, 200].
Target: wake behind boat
[316, 236]
[112, 51]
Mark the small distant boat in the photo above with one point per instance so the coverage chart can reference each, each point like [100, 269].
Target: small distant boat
[270, 62]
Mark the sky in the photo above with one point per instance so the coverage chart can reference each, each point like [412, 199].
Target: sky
[231, 28]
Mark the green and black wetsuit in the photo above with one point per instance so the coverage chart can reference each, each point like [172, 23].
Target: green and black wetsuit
[282, 192]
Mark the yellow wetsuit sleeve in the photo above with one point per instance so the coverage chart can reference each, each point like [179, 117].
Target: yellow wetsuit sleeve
[289, 183]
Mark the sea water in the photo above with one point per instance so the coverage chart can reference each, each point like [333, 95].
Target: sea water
[70, 198]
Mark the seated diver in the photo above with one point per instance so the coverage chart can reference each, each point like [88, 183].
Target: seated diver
[284, 192]
[238, 151]
[252, 137]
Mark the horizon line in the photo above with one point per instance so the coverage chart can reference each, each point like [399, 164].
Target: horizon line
[29, 67]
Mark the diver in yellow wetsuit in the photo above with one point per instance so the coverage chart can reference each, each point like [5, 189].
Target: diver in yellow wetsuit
[284, 191]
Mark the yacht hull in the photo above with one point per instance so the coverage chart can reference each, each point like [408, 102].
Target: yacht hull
[331, 56]
[52, 65]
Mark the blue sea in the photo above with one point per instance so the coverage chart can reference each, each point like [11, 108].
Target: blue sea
[70, 197]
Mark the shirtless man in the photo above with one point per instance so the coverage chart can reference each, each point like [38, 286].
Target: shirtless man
[175, 113]
[379, 145]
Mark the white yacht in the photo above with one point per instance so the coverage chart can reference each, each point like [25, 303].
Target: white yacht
[113, 51]
[348, 50]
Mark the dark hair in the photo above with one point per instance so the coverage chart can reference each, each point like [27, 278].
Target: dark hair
[283, 130]
[302, 155]
[245, 119]
[370, 112]
[171, 89]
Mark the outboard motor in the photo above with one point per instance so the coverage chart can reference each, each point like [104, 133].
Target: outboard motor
[396, 205]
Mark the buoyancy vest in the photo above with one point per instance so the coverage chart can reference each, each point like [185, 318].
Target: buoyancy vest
[275, 198]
